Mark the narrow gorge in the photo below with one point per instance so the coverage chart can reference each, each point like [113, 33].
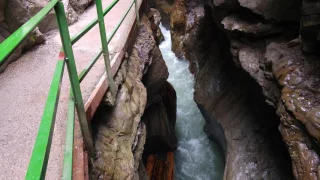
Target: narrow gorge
[196, 157]
[256, 80]
[209, 89]
[253, 67]
[255, 83]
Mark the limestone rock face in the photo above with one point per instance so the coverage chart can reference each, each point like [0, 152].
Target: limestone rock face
[157, 75]
[165, 7]
[160, 114]
[283, 10]
[256, 82]
[80, 5]
[120, 133]
[251, 26]
[18, 12]
[299, 107]
[178, 24]
[155, 19]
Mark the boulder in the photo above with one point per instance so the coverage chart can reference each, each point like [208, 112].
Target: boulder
[35, 38]
[79, 5]
[19, 12]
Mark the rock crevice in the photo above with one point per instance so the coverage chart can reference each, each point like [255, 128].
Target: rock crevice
[142, 118]
[256, 81]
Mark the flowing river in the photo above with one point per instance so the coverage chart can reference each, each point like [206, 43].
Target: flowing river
[197, 158]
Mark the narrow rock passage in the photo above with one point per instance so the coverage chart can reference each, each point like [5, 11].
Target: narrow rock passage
[197, 158]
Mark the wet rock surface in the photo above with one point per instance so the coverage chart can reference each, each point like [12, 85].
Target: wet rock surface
[165, 7]
[160, 114]
[120, 133]
[120, 130]
[257, 84]
[155, 19]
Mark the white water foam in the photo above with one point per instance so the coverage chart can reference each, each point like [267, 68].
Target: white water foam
[197, 158]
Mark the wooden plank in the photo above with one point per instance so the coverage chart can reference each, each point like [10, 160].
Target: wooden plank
[150, 165]
[96, 96]
[160, 166]
[170, 160]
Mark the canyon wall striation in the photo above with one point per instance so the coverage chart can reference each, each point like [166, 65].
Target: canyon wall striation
[256, 80]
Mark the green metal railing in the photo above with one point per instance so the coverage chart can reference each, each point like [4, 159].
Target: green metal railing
[39, 159]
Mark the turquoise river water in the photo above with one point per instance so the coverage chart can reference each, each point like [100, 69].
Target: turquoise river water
[197, 158]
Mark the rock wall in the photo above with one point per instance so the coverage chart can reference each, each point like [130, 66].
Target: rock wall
[120, 131]
[256, 81]
[14, 13]
[160, 114]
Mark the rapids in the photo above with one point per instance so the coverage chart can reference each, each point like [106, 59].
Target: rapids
[197, 158]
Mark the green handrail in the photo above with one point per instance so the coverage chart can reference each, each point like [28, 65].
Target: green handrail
[93, 23]
[40, 154]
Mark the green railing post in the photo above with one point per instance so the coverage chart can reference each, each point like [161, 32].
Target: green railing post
[73, 76]
[137, 11]
[105, 47]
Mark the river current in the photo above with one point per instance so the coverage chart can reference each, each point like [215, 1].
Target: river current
[197, 158]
